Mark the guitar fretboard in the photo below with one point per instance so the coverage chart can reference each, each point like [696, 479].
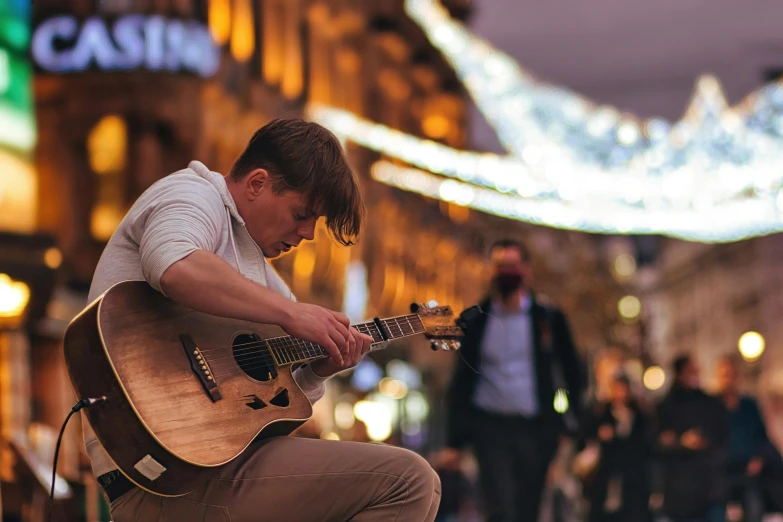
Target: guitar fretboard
[291, 350]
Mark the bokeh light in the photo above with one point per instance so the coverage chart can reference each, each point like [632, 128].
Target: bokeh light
[625, 265]
[377, 417]
[654, 378]
[751, 345]
[629, 307]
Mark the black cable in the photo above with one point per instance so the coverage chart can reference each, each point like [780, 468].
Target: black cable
[84, 403]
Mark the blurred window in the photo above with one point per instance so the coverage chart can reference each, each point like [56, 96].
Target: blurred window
[107, 146]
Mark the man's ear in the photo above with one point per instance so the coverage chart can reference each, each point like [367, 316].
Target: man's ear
[256, 182]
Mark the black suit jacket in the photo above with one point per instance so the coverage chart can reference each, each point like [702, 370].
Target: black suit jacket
[548, 324]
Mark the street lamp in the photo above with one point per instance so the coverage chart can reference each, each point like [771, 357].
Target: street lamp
[751, 346]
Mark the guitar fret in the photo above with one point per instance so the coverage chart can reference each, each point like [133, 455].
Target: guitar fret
[394, 328]
[372, 330]
[418, 327]
[406, 326]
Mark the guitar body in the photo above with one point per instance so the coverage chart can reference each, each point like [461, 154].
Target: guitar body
[128, 346]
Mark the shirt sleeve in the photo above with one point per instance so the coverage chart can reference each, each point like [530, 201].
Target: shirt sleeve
[182, 218]
[312, 385]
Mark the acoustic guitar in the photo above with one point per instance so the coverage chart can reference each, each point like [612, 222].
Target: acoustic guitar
[187, 392]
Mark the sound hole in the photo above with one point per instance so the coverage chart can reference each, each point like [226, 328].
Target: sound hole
[281, 399]
[253, 358]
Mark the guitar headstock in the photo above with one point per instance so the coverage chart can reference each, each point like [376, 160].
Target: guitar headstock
[440, 326]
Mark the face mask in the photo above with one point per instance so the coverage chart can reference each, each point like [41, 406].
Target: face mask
[507, 283]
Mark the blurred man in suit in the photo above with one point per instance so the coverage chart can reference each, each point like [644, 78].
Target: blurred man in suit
[517, 357]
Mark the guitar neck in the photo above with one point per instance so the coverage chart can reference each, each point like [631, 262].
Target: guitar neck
[290, 350]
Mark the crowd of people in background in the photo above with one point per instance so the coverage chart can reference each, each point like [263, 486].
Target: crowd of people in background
[691, 457]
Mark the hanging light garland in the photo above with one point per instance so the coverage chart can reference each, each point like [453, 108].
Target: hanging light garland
[713, 176]
[733, 222]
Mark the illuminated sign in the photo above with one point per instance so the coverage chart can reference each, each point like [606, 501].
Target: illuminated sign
[17, 123]
[155, 43]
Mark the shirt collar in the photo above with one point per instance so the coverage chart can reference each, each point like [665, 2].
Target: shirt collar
[525, 304]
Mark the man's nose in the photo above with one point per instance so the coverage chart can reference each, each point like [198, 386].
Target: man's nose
[307, 232]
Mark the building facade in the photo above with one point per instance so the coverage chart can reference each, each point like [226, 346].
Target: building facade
[700, 300]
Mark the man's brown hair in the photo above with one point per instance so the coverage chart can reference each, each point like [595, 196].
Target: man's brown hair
[306, 157]
[519, 246]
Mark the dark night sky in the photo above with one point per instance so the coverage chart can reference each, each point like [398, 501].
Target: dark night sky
[642, 57]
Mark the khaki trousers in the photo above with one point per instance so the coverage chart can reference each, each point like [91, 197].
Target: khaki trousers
[290, 479]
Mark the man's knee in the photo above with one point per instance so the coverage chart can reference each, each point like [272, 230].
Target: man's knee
[423, 480]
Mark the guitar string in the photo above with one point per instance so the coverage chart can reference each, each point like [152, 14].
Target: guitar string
[270, 365]
[284, 343]
[269, 360]
[369, 324]
[261, 350]
[255, 343]
[263, 354]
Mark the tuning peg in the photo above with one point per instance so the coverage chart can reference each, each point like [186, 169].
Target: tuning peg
[434, 346]
[444, 346]
[455, 345]
[415, 307]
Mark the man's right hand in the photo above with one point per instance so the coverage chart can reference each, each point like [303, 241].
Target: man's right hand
[321, 326]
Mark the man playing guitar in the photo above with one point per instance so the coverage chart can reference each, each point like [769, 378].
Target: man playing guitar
[203, 240]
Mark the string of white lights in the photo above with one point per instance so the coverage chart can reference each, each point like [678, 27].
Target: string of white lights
[734, 222]
[713, 176]
[551, 181]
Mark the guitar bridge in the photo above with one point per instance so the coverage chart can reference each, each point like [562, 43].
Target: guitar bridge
[200, 367]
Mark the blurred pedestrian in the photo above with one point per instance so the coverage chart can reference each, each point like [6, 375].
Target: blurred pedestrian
[618, 489]
[692, 441]
[749, 448]
[516, 358]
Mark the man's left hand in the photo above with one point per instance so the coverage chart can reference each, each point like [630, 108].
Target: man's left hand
[358, 345]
